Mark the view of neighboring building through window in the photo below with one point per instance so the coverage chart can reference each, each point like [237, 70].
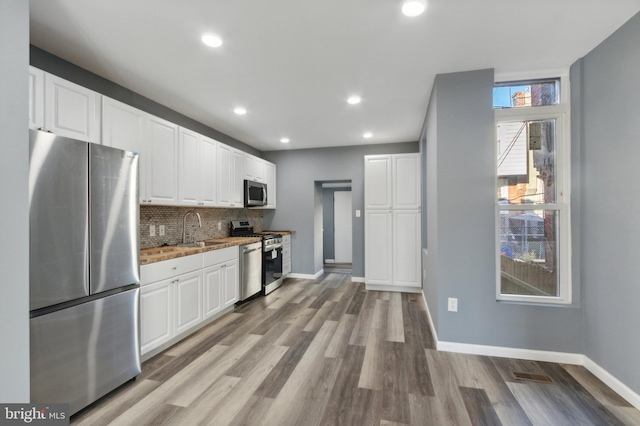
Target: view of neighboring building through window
[531, 208]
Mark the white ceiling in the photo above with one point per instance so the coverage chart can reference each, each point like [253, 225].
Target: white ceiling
[293, 63]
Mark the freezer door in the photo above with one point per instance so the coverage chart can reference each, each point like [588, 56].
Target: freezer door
[58, 219]
[81, 353]
[115, 239]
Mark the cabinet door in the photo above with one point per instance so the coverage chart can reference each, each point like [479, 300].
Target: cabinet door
[71, 110]
[123, 127]
[406, 248]
[188, 168]
[156, 315]
[188, 290]
[231, 283]
[377, 182]
[213, 280]
[208, 166]
[162, 162]
[270, 180]
[237, 183]
[406, 181]
[378, 247]
[286, 255]
[225, 176]
[36, 98]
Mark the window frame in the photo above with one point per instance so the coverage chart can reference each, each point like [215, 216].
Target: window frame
[561, 113]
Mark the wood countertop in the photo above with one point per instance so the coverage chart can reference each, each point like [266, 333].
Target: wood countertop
[158, 254]
[277, 232]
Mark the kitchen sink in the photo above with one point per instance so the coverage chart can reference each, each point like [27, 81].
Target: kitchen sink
[202, 244]
[212, 243]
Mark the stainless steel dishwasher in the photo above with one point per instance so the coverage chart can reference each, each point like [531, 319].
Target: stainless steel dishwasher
[250, 270]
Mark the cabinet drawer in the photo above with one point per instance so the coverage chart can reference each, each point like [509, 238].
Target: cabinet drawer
[169, 268]
[214, 257]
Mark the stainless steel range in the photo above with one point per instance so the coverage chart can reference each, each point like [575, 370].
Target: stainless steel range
[271, 253]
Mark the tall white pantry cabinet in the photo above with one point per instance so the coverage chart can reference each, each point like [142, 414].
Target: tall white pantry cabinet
[392, 222]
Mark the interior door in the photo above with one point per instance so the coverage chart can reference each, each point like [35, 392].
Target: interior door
[342, 223]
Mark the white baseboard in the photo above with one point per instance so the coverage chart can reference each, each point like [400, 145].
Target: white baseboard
[503, 352]
[611, 381]
[534, 355]
[394, 288]
[306, 276]
[357, 279]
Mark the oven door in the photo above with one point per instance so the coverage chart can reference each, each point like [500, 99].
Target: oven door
[272, 264]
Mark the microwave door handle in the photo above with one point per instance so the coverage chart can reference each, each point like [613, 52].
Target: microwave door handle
[264, 195]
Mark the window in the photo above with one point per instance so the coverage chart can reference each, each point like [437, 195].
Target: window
[532, 199]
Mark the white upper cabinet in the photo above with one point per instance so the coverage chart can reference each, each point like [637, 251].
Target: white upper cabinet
[208, 167]
[377, 177]
[254, 168]
[188, 168]
[36, 98]
[238, 180]
[71, 110]
[406, 181]
[196, 169]
[124, 127]
[162, 162]
[270, 180]
[230, 177]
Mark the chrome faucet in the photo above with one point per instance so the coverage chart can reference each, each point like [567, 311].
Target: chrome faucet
[184, 225]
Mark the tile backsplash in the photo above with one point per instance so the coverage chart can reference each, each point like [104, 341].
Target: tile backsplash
[171, 217]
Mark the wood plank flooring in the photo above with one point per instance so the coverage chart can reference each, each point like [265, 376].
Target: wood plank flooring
[328, 352]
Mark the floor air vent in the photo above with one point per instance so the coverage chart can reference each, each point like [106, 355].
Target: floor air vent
[530, 377]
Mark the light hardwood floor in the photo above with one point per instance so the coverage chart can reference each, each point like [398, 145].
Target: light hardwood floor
[328, 352]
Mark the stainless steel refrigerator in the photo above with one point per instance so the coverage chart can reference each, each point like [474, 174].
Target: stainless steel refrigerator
[84, 269]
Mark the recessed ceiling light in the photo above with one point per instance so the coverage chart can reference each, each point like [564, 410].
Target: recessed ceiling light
[355, 99]
[284, 140]
[240, 111]
[414, 7]
[212, 40]
[367, 135]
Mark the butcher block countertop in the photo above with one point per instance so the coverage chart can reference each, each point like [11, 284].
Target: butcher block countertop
[157, 254]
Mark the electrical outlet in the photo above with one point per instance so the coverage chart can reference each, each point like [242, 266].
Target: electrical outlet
[357, 213]
[219, 225]
[161, 230]
[453, 304]
[152, 230]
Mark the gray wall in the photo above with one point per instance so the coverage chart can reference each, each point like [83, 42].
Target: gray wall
[57, 66]
[297, 174]
[610, 228]
[460, 193]
[328, 236]
[14, 226]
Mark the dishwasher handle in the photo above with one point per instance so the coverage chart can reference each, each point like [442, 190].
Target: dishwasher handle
[245, 251]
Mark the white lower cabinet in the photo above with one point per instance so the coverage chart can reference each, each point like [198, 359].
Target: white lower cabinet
[178, 295]
[156, 315]
[221, 280]
[188, 301]
[286, 255]
[392, 249]
[378, 228]
[406, 248]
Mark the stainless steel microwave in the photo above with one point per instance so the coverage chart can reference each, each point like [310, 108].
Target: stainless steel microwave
[255, 193]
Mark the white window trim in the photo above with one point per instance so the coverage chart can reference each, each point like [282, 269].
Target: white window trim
[561, 113]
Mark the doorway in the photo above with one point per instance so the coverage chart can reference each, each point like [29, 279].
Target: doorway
[337, 226]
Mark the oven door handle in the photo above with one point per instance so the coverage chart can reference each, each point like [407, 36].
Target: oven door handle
[273, 247]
